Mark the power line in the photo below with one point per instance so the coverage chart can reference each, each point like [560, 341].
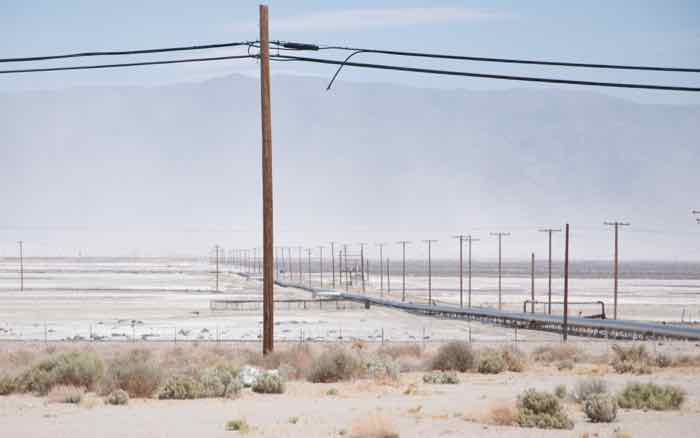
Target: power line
[129, 52]
[502, 60]
[126, 64]
[484, 75]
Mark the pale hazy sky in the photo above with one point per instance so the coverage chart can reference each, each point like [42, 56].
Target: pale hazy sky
[646, 32]
[623, 32]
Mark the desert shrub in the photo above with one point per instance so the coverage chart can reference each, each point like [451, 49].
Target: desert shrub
[8, 385]
[134, 372]
[686, 360]
[560, 391]
[514, 359]
[634, 359]
[117, 397]
[180, 388]
[66, 394]
[502, 414]
[383, 368]
[293, 362]
[600, 408]
[74, 368]
[401, 350]
[220, 381]
[239, 425]
[268, 383]
[565, 365]
[663, 360]
[491, 363]
[373, 426]
[587, 388]
[541, 410]
[650, 396]
[332, 392]
[455, 355]
[557, 353]
[334, 365]
[441, 378]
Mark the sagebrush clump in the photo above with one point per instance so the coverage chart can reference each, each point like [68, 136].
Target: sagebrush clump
[650, 396]
[600, 408]
[269, 383]
[383, 368]
[334, 365]
[220, 381]
[441, 378]
[117, 397]
[541, 410]
[491, 363]
[180, 388]
[8, 385]
[134, 372]
[560, 391]
[81, 369]
[634, 359]
[239, 425]
[66, 394]
[514, 359]
[454, 356]
[587, 388]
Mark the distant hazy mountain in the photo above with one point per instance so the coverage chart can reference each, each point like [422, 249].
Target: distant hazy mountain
[144, 168]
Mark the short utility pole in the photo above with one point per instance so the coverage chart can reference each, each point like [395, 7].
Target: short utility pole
[500, 274]
[470, 239]
[21, 266]
[549, 232]
[381, 264]
[430, 272]
[403, 269]
[333, 261]
[617, 226]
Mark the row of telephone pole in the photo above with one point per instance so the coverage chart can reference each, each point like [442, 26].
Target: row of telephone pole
[285, 266]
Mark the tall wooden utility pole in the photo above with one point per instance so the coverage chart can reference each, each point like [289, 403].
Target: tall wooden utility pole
[430, 272]
[566, 284]
[532, 283]
[549, 231]
[500, 236]
[268, 239]
[403, 269]
[21, 266]
[617, 226]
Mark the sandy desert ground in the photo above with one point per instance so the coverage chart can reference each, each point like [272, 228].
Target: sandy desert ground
[306, 409]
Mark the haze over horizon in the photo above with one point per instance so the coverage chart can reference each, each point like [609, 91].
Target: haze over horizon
[366, 162]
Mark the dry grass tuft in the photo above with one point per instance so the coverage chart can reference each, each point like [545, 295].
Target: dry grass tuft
[373, 426]
[66, 394]
[502, 414]
[557, 353]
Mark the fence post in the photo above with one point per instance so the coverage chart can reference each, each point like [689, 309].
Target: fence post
[46, 335]
[382, 335]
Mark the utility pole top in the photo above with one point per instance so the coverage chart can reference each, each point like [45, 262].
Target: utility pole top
[500, 234]
[549, 230]
[616, 223]
[429, 240]
[404, 242]
[466, 237]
